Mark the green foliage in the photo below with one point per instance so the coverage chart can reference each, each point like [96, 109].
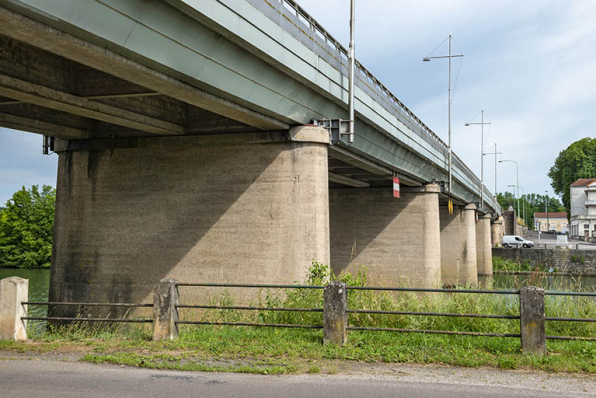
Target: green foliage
[577, 161]
[533, 203]
[26, 228]
[503, 264]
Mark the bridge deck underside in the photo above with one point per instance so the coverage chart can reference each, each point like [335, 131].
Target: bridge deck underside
[44, 93]
[179, 73]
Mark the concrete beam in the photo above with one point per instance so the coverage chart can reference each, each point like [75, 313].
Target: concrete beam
[347, 181]
[41, 127]
[19, 27]
[61, 101]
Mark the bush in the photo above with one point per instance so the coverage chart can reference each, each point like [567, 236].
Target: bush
[26, 228]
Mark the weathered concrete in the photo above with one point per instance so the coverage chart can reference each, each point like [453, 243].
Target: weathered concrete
[165, 312]
[458, 246]
[13, 292]
[497, 232]
[533, 320]
[484, 257]
[398, 240]
[128, 217]
[335, 317]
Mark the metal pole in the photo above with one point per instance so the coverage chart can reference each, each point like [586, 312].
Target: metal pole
[517, 183]
[449, 111]
[546, 208]
[495, 169]
[351, 72]
[482, 161]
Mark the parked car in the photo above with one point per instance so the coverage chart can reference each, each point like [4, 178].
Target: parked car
[516, 241]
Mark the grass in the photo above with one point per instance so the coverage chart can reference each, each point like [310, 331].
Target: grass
[278, 350]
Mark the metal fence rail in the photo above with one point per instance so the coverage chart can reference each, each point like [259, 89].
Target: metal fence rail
[335, 312]
[81, 319]
[248, 308]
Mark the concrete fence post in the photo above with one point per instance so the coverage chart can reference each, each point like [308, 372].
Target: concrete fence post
[165, 313]
[13, 292]
[533, 320]
[335, 315]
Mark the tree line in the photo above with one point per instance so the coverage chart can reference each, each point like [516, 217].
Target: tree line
[533, 203]
[26, 228]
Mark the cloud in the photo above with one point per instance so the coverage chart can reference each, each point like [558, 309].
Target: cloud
[530, 65]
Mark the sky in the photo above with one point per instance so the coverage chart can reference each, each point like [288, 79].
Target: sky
[530, 65]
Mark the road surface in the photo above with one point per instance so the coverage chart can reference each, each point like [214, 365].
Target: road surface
[49, 379]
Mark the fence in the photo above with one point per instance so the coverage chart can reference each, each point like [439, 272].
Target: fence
[335, 325]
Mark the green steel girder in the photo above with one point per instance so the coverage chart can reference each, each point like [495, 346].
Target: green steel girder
[233, 50]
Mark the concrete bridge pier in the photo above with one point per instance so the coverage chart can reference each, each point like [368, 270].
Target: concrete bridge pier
[497, 231]
[458, 245]
[398, 240]
[484, 257]
[131, 212]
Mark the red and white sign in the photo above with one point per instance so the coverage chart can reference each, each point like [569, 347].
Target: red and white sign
[395, 187]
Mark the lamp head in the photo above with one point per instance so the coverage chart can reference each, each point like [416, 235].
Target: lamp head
[467, 124]
[425, 59]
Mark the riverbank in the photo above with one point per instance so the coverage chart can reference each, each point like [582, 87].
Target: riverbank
[284, 351]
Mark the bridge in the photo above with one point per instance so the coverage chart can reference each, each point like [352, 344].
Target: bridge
[190, 146]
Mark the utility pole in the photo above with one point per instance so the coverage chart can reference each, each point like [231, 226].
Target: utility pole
[482, 158]
[351, 56]
[546, 207]
[427, 59]
[495, 153]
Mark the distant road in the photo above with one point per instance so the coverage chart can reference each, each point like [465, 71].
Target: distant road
[551, 240]
[52, 379]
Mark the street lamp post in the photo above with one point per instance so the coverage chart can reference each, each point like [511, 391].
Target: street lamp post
[515, 198]
[516, 178]
[427, 59]
[495, 153]
[351, 60]
[482, 159]
[546, 209]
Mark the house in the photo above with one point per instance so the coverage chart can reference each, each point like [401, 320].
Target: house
[583, 208]
[551, 221]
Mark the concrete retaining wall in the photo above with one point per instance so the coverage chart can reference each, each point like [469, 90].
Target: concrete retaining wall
[563, 260]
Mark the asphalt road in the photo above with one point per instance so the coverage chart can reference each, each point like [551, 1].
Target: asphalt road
[49, 379]
[551, 241]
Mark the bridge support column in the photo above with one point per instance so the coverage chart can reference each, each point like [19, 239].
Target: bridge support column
[458, 246]
[251, 207]
[397, 240]
[484, 256]
[497, 232]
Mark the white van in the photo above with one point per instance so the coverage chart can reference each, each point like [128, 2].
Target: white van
[516, 241]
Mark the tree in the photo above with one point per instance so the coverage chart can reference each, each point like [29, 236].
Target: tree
[26, 228]
[534, 203]
[577, 161]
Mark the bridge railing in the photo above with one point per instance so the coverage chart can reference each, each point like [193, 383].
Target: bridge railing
[330, 301]
[296, 21]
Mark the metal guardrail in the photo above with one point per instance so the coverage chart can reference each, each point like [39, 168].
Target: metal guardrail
[253, 286]
[321, 310]
[81, 319]
[311, 33]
